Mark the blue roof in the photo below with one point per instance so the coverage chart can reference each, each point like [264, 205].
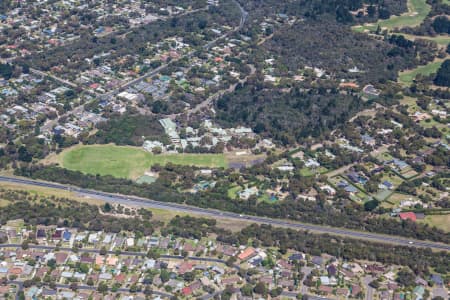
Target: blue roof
[436, 278]
[400, 163]
[67, 235]
[256, 262]
[353, 176]
[47, 31]
[317, 260]
[296, 256]
[342, 183]
[366, 137]
[387, 183]
[351, 189]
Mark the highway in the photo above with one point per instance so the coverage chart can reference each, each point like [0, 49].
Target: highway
[149, 203]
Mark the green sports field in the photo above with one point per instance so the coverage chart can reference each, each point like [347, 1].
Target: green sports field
[417, 11]
[407, 77]
[128, 162]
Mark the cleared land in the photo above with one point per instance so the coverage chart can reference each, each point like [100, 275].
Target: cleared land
[407, 77]
[128, 162]
[438, 221]
[417, 11]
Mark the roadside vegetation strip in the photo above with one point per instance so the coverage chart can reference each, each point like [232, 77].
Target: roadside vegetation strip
[128, 162]
[407, 77]
[417, 12]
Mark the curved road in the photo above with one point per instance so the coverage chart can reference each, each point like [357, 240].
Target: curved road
[149, 203]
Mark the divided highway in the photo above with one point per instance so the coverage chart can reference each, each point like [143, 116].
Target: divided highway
[137, 201]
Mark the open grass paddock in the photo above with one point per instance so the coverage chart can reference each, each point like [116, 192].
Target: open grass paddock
[128, 162]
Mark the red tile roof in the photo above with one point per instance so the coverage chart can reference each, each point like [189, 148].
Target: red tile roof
[247, 253]
[186, 291]
[15, 271]
[408, 216]
[185, 267]
[120, 278]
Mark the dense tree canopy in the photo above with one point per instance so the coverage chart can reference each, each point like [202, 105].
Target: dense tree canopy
[443, 74]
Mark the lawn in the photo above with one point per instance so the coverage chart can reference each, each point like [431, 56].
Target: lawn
[305, 171]
[407, 77]
[232, 192]
[417, 11]
[411, 103]
[408, 174]
[128, 162]
[382, 195]
[432, 123]
[397, 198]
[392, 178]
[385, 156]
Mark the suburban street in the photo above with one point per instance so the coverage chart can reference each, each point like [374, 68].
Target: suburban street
[156, 71]
[149, 203]
[51, 123]
[128, 253]
[369, 290]
[141, 254]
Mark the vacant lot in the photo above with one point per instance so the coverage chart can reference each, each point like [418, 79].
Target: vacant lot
[439, 221]
[128, 162]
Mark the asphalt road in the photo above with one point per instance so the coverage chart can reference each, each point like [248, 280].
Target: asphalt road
[149, 203]
[84, 288]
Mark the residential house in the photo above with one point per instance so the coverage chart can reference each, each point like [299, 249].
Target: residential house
[247, 254]
[407, 216]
